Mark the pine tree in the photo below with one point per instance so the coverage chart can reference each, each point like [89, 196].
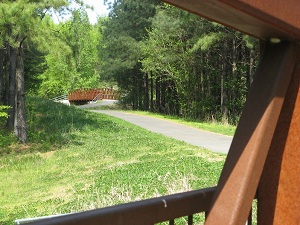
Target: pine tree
[125, 30]
[21, 21]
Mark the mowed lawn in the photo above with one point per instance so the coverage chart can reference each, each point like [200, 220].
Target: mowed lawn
[79, 160]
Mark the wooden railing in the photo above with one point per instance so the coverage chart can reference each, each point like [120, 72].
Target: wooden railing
[146, 212]
[86, 95]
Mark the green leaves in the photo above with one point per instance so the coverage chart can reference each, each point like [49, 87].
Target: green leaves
[122, 51]
[201, 66]
[3, 111]
[24, 18]
[207, 41]
[73, 61]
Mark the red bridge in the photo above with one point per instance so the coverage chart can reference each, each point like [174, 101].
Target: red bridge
[82, 96]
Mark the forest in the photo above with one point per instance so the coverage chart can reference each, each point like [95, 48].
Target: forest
[160, 58]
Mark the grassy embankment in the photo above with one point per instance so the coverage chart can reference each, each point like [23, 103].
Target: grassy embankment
[79, 160]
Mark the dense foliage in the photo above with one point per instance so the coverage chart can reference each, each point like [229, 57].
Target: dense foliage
[184, 65]
[75, 62]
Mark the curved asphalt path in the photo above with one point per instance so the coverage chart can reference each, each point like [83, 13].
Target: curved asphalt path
[209, 140]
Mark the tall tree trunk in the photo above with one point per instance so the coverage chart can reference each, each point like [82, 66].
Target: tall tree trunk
[163, 91]
[135, 97]
[234, 70]
[11, 70]
[151, 94]
[251, 67]
[175, 99]
[146, 92]
[141, 90]
[202, 85]
[158, 94]
[20, 126]
[224, 93]
[2, 76]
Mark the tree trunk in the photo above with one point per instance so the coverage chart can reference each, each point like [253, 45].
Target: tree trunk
[202, 85]
[251, 67]
[11, 83]
[157, 94]
[146, 92]
[224, 94]
[135, 97]
[20, 126]
[163, 91]
[151, 94]
[2, 76]
[233, 88]
[141, 90]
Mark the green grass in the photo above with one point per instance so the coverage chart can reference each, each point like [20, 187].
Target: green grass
[79, 160]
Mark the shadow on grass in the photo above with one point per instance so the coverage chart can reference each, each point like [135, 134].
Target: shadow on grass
[52, 125]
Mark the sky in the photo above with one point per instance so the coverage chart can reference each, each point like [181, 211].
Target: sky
[99, 9]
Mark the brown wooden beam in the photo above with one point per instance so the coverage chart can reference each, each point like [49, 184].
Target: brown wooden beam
[251, 143]
[264, 19]
[279, 189]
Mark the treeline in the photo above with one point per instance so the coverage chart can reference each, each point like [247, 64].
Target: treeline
[170, 61]
[161, 58]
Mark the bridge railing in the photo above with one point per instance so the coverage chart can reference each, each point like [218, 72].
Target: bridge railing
[86, 95]
[60, 98]
[147, 212]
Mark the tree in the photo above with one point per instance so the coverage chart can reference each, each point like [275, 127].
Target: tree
[198, 69]
[170, 57]
[125, 29]
[22, 21]
[83, 39]
[73, 61]
[34, 66]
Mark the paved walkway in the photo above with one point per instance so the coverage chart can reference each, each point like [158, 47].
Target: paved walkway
[212, 141]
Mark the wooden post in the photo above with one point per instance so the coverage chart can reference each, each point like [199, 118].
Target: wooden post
[279, 188]
[251, 143]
